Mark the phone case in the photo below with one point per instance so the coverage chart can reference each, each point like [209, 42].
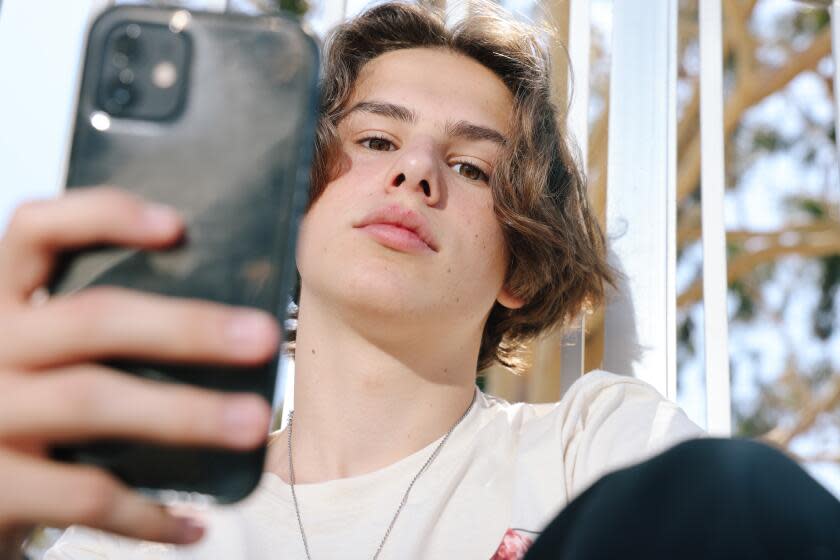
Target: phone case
[234, 157]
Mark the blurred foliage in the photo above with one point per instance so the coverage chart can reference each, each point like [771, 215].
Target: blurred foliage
[745, 304]
[808, 22]
[810, 207]
[794, 270]
[295, 7]
[825, 316]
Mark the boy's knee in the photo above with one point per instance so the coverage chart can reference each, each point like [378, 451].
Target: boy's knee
[707, 474]
[704, 498]
[750, 479]
[725, 460]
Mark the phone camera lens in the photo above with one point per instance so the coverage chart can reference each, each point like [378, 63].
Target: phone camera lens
[126, 49]
[120, 97]
[120, 60]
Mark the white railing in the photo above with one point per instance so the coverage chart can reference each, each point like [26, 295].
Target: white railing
[574, 344]
[835, 47]
[716, 347]
[640, 322]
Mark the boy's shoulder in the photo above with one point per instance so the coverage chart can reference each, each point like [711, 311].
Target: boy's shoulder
[598, 390]
[604, 421]
[551, 452]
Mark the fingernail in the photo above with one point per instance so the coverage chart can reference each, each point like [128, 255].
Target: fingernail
[248, 328]
[244, 418]
[160, 217]
[189, 530]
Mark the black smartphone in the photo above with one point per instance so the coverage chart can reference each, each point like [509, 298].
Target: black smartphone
[213, 114]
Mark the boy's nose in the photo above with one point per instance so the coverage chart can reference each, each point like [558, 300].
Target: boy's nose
[418, 172]
[400, 179]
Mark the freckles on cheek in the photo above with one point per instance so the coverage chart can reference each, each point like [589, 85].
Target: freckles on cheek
[493, 245]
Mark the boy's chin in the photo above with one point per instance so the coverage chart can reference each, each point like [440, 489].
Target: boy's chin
[390, 305]
[391, 308]
[396, 300]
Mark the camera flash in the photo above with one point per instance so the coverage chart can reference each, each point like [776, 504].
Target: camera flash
[164, 75]
[179, 21]
[100, 121]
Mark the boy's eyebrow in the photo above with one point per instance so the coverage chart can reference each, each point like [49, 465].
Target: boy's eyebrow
[470, 131]
[462, 129]
[389, 110]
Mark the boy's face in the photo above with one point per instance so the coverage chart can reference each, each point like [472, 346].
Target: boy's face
[422, 135]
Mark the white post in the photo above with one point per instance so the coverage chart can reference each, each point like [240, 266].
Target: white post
[640, 327]
[579, 51]
[835, 45]
[716, 351]
[573, 350]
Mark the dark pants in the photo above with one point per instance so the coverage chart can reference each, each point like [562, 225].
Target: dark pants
[706, 498]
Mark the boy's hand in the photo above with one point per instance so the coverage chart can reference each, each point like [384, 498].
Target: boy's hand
[52, 389]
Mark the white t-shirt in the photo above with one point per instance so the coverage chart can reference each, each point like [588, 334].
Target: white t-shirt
[505, 472]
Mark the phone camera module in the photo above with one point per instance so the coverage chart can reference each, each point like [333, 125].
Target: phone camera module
[144, 71]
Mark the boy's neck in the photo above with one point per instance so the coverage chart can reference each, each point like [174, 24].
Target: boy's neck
[364, 400]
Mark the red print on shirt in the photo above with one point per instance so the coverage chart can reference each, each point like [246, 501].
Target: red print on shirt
[513, 546]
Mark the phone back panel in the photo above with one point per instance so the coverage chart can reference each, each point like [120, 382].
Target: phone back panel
[233, 155]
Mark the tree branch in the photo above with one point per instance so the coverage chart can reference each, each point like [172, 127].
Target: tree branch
[746, 94]
[690, 233]
[737, 16]
[808, 416]
[812, 244]
[821, 458]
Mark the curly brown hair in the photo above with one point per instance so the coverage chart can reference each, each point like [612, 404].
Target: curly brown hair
[557, 255]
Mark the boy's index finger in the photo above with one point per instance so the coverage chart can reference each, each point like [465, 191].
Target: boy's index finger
[108, 322]
[39, 230]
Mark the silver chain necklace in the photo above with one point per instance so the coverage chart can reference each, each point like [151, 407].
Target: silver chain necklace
[425, 466]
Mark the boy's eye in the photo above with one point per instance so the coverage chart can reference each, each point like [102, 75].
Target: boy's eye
[378, 144]
[471, 172]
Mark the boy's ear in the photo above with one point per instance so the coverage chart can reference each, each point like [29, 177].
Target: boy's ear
[508, 299]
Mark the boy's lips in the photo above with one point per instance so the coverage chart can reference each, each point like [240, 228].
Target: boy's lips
[399, 228]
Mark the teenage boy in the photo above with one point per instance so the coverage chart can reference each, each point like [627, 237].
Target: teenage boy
[448, 224]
